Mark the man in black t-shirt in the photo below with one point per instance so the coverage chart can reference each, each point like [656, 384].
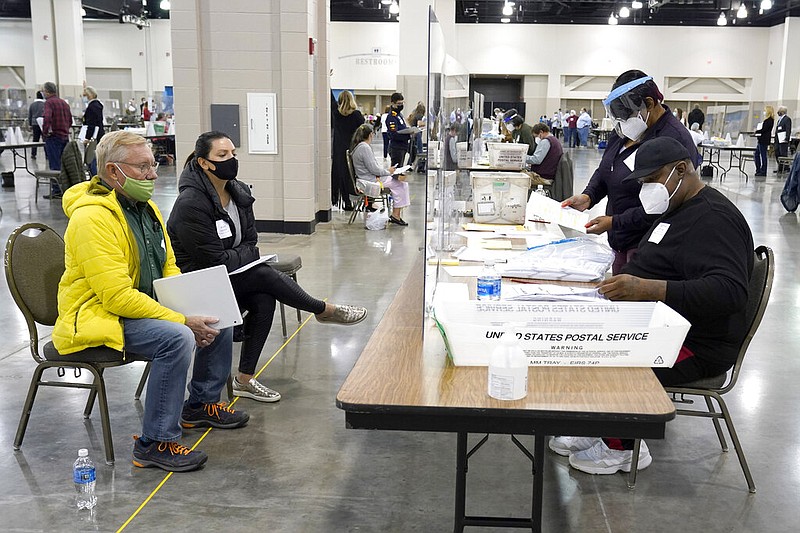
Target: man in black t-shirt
[697, 258]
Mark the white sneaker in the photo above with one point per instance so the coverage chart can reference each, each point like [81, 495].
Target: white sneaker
[255, 391]
[600, 459]
[566, 446]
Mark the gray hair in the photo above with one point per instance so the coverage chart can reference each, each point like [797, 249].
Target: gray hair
[50, 87]
[782, 109]
[114, 147]
[89, 90]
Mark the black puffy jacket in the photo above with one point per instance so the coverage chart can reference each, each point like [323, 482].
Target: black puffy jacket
[193, 224]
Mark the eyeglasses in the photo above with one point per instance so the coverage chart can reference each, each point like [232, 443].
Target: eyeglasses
[143, 168]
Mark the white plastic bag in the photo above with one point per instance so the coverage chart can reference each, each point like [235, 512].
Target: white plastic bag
[575, 259]
[370, 188]
[377, 220]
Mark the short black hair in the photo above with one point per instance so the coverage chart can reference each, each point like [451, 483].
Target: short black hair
[396, 97]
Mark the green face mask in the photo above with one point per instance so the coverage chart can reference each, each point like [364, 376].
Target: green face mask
[139, 190]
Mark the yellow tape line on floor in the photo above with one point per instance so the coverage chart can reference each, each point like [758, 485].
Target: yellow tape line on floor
[169, 475]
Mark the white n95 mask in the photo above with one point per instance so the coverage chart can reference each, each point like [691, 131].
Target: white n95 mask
[633, 128]
[655, 197]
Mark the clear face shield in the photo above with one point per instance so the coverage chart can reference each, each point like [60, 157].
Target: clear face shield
[628, 110]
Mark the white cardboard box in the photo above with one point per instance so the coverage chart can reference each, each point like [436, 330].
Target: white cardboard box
[500, 197]
[563, 333]
[507, 155]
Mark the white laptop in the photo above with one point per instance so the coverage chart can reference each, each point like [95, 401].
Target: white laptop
[206, 292]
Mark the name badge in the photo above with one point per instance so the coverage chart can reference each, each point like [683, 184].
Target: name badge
[223, 229]
[630, 161]
[658, 233]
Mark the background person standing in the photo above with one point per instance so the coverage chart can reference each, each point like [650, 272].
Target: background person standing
[696, 115]
[764, 136]
[36, 110]
[55, 128]
[783, 130]
[346, 120]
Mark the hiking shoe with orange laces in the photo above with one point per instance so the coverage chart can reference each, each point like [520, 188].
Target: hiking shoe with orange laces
[215, 415]
[169, 456]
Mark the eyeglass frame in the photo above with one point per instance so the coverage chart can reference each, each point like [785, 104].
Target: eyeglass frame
[144, 168]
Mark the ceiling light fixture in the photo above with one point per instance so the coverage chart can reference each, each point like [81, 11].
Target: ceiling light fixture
[505, 20]
[386, 2]
[394, 9]
[636, 4]
[83, 12]
[741, 13]
[165, 5]
[507, 10]
[624, 12]
[612, 20]
[766, 4]
[722, 21]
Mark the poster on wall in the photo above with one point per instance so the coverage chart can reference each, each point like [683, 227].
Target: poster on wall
[262, 121]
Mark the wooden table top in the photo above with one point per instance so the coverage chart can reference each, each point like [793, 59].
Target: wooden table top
[397, 372]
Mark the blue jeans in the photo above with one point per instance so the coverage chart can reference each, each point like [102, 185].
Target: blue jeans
[53, 147]
[169, 347]
[583, 136]
[568, 140]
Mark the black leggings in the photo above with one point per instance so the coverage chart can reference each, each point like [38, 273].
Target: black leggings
[258, 290]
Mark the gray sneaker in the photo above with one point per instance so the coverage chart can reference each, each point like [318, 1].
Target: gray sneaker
[345, 314]
[255, 391]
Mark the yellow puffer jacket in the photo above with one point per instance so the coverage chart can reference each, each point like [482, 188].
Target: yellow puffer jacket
[102, 271]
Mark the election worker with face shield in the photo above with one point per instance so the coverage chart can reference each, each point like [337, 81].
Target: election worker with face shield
[635, 105]
[520, 131]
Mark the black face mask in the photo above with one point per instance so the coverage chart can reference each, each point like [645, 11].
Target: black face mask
[398, 107]
[225, 170]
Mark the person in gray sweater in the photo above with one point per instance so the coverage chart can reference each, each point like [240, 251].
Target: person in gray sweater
[366, 168]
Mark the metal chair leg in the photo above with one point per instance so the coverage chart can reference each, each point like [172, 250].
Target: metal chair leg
[751, 486]
[299, 317]
[229, 387]
[105, 421]
[27, 407]
[87, 412]
[717, 427]
[634, 463]
[283, 321]
[142, 381]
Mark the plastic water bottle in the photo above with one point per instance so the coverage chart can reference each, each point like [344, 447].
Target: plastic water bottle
[508, 370]
[540, 190]
[488, 282]
[83, 474]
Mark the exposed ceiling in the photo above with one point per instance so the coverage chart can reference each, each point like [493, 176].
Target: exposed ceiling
[653, 12]
[97, 9]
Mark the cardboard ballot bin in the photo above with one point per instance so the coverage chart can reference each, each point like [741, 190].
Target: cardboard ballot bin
[601, 333]
[500, 197]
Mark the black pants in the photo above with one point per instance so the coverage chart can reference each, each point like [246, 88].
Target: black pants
[258, 290]
[781, 150]
[37, 135]
[397, 154]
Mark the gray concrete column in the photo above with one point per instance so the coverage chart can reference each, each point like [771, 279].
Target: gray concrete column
[57, 28]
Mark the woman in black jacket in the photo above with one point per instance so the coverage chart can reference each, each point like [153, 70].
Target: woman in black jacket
[93, 118]
[764, 135]
[212, 223]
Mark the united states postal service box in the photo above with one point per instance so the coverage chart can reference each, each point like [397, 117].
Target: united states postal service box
[563, 333]
[509, 156]
[500, 197]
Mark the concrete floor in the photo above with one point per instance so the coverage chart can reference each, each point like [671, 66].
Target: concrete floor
[296, 468]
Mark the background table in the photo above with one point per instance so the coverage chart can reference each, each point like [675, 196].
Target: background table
[414, 387]
[735, 152]
[23, 147]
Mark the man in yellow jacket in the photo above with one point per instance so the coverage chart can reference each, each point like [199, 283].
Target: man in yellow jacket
[116, 246]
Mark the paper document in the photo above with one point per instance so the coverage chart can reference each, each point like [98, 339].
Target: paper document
[781, 136]
[248, 266]
[206, 292]
[401, 170]
[551, 211]
[40, 122]
[549, 292]
[474, 226]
